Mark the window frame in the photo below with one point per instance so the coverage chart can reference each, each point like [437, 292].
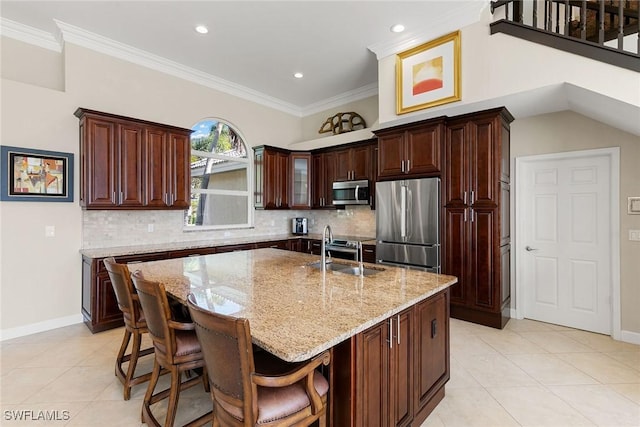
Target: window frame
[247, 161]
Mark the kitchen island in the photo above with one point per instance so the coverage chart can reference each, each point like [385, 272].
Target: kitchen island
[388, 332]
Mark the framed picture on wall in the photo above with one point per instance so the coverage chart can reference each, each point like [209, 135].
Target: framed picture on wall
[429, 74]
[30, 175]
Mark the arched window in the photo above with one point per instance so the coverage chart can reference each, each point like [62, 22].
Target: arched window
[220, 179]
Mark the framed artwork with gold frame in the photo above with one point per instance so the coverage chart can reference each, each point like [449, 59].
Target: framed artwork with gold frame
[429, 74]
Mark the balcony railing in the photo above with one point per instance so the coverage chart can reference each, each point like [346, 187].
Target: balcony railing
[606, 30]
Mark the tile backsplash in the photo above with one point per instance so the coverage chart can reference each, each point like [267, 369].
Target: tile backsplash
[103, 229]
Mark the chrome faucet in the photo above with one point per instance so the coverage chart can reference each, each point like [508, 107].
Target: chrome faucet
[323, 251]
[360, 258]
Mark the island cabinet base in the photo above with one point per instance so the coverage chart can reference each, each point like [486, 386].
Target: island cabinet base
[394, 373]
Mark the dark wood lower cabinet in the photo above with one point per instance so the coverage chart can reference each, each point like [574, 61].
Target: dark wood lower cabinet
[393, 374]
[99, 305]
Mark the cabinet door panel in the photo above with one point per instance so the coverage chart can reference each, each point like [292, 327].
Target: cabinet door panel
[317, 181]
[271, 180]
[456, 249]
[131, 158]
[343, 165]
[99, 174]
[179, 171]
[375, 383]
[401, 365]
[423, 150]
[330, 176]
[457, 167]
[157, 162]
[283, 180]
[107, 309]
[431, 354]
[300, 180]
[259, 201]
[484, 268]
[391, 153]
[361, 162]
[485, 163]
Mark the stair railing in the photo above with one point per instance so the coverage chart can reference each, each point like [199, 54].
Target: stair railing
[593, 21]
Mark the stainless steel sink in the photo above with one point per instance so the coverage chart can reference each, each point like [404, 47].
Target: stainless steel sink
[347, 268]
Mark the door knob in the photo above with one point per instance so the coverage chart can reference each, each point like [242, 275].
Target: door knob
[529, 248]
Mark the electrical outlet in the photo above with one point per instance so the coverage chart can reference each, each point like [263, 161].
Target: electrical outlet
[150, 228]
[50, 231]
[634, 235]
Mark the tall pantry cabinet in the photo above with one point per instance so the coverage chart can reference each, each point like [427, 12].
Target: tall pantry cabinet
[475, 198]
[470, 154]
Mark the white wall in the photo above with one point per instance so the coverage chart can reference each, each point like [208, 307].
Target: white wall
[568, 131]
[495, 66]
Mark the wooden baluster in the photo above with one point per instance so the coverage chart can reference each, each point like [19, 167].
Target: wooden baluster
[620, 25]
[557, 18]
[567, 17]
[547, 15]
[583, 20]
[535, 14]
[506, 11]
[638, 22]
[518, 6]
[601, 23]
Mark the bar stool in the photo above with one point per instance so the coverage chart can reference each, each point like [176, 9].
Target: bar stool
[176, 349]
[256, 388]
[134, 323]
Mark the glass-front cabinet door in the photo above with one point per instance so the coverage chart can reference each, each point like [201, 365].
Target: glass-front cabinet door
[300, 180]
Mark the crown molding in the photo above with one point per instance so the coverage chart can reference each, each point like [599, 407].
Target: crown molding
[78, 36]
[98, 43]
[24, 33]
[467, 13]
[338, 100]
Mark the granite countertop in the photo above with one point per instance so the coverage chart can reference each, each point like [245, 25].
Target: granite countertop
[175, 246]
[295, 311]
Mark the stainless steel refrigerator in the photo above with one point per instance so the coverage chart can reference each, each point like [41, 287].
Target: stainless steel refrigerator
[408, 223]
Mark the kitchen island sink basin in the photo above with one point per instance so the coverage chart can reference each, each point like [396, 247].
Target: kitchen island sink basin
[347, 268]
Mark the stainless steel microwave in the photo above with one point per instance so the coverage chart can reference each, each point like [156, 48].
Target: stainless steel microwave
[351, 192]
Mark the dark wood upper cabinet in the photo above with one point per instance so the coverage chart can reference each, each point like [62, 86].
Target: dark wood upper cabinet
[300, 173]
[127, 163]
[272, 178]
[323, 174]
[410, 151]
[353, 163]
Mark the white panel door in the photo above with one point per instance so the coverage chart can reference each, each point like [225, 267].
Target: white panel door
[566, 266]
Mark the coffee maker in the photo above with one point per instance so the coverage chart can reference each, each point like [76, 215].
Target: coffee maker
[299, 226]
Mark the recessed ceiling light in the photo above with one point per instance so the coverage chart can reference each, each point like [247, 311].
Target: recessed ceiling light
[298, 75]
[398, 28]
[202, 29]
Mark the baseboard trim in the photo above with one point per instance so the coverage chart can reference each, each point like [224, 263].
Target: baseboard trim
[34, 328]
[630, 337]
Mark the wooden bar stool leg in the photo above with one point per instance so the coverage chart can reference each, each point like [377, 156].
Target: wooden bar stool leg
[174, 396]
[147, 416]
[120, 359]
[133, 361]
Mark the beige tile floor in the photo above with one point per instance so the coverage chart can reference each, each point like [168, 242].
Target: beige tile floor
[529, 374]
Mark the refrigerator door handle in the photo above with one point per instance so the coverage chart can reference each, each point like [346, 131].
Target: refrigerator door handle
[409, 211]
[403, 212]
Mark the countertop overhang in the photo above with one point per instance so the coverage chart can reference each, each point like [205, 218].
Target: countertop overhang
[295, 311]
